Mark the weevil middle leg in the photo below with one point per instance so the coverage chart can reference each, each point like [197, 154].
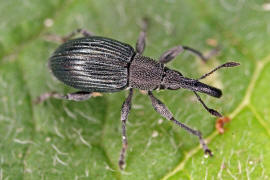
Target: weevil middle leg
[124, 116]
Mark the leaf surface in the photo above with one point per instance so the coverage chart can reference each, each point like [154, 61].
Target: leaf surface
[82, 140]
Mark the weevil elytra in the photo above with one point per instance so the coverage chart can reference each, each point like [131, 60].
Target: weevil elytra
[98, 64]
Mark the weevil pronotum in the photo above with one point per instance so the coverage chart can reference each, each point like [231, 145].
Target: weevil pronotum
[98, 64]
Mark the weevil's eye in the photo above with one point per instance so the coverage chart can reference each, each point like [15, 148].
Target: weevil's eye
[180, 74]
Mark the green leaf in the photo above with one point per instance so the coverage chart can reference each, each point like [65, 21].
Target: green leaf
[75, 140]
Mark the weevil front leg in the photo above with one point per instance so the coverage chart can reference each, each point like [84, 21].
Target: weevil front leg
[173, 52]
[140, 45]
[77, 96]
[124, 116]
[165, 112]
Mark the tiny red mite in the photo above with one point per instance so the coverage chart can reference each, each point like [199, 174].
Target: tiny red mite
[220, 124]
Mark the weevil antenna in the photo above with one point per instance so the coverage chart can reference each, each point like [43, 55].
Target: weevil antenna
[211, 111]
[228, 64]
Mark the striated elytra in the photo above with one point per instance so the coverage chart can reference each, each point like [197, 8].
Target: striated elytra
[93, 64]
[98, 64]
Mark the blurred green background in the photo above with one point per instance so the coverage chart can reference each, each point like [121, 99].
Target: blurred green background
[82, 140]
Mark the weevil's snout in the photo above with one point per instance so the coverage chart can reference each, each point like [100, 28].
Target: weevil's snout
[175, 80]
[204, 88]
[198, 86]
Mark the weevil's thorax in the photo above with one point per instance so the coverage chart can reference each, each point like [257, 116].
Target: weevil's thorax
[145, 73]
[171, 79]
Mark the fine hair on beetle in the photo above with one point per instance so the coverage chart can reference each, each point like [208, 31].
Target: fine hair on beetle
[98, 64]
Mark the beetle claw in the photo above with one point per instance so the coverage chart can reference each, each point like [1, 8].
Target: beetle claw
[208, 152]
[121, 164]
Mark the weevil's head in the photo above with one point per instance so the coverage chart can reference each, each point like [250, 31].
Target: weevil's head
[175, 80]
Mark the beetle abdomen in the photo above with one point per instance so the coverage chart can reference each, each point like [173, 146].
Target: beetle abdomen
[93, 64]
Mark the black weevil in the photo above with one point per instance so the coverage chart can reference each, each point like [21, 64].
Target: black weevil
[98, 64]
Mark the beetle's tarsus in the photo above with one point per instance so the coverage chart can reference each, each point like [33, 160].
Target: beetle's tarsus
[208, 152]
[121, 164]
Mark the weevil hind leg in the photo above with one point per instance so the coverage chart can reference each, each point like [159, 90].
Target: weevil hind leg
[124, 116]
[77, 96]
[165, 112]
[170, 54]
[62, 39]
[140, 44]
[83, 32]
